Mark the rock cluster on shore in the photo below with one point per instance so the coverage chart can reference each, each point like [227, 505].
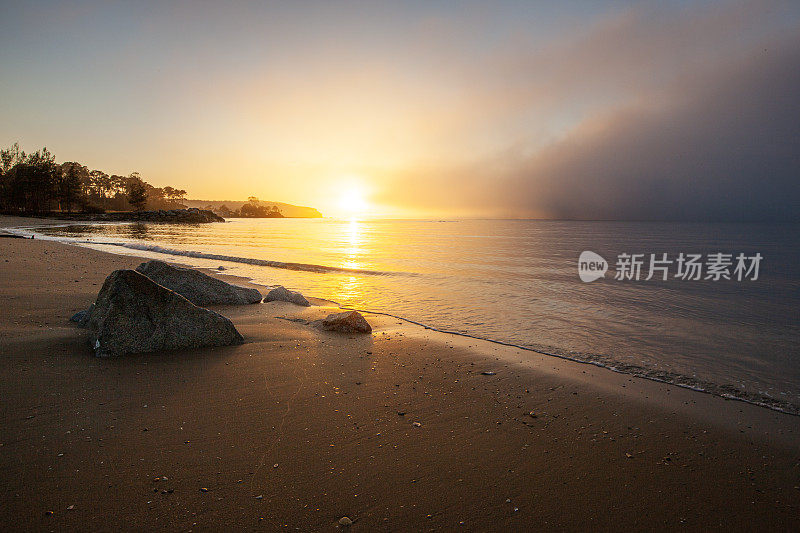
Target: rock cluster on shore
[159, 307]
[134, 314]
[200, 289]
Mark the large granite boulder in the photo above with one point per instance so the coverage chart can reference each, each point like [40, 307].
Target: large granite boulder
[347, 322]
[134, 314]
[198, 288]
[282, 294]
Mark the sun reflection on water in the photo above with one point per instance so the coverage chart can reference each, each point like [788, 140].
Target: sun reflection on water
[353, 238]
[351, 288]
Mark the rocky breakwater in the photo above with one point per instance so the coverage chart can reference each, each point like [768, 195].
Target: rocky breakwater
[169, 216]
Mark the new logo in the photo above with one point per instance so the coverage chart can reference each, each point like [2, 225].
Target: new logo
[591, 266]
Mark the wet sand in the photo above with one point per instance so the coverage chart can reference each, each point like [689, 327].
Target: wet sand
[297, 428]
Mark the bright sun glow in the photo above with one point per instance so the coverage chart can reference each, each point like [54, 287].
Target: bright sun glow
[352, 201]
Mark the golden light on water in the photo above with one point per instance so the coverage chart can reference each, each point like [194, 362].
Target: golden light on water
[353, 238]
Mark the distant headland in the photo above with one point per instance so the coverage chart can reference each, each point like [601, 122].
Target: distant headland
[253, 208]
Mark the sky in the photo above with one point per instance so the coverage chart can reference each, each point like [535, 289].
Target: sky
[516, 109]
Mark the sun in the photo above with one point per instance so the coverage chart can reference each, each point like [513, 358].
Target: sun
[352, 201]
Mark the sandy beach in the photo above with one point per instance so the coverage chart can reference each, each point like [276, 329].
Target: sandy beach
[399, 430]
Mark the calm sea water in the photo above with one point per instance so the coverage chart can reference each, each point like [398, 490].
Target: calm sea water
[517, 282]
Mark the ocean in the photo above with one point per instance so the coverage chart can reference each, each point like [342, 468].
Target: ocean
[517, 282]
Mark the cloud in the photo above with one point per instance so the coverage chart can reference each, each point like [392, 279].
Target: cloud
[714, 137]
[713, 148]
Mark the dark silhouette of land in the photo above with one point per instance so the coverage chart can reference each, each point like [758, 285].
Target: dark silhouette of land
[34, 184]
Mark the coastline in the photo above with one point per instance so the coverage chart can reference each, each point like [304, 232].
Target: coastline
[763, 395]
[604, 450]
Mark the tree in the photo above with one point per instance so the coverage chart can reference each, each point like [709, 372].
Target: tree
[251, 210]
[37, 177]
[99, 183]
[174, 195]
[137, 193]
[81, 172]
[68, 187]
[10, 157]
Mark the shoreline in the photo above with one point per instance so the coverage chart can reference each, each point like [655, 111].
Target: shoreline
[762, 400]
[601, 449]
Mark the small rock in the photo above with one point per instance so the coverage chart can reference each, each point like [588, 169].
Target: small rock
[416, 424]
[488, 373]
[282, 294]
[82, 317]
[71, 508]
[260, 497]
[345, 522]
[203, 489]
[347, 322]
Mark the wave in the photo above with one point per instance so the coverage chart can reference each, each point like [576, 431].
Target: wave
[727, 392]
[306, 267]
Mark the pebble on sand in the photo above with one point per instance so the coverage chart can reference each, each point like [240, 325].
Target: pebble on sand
[345, 521]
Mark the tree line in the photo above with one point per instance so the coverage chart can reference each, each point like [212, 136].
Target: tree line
[252, 209]
[35, 183]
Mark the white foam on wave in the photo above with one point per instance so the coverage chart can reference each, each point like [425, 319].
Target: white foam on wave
[245, 260]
